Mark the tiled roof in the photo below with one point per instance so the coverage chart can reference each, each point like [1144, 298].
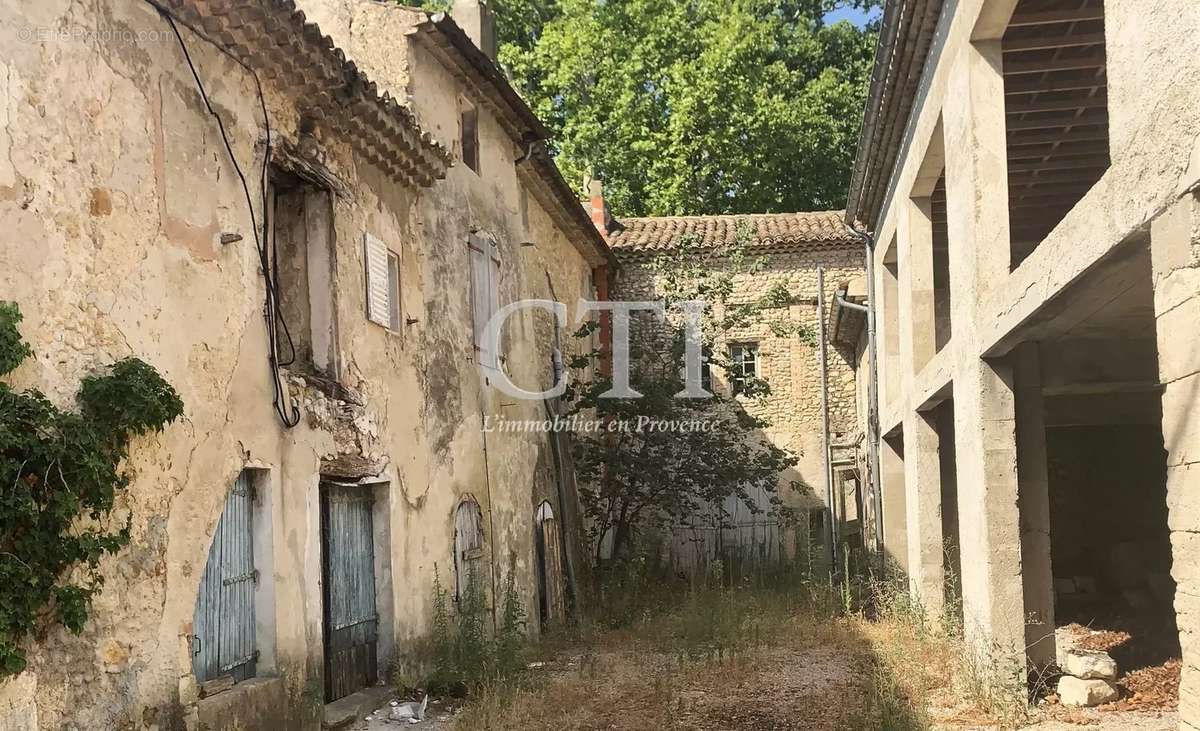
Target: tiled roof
[273, 38]
[817, 229]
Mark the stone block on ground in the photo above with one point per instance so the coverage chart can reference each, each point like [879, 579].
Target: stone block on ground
[1090, 665]
[1078, 692]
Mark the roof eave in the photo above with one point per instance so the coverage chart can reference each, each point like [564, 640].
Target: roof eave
[328, 87]
[631, 253]
[445, 37]
[889, 106]
[595, 249]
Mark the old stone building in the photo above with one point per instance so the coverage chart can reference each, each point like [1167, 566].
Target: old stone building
[796, 249]
[169, 172]
[1028, 172]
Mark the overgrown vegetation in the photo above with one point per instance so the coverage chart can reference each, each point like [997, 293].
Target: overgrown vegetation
[466, 655]
[728, 651]
[60, 474]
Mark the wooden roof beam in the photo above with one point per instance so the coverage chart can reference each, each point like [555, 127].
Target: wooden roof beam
[1053, 17]
[1061, 121]
[1099, 101]
[1027, 138]
[1041, 43]
[1043, 65]
[1059, 163]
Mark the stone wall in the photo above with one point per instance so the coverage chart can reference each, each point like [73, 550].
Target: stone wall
[789, 365]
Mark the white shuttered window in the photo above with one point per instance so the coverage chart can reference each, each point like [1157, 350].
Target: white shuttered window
[383, 283]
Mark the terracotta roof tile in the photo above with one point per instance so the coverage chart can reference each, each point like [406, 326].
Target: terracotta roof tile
[817, 229]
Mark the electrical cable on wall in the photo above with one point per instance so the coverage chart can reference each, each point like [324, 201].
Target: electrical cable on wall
[268, 260]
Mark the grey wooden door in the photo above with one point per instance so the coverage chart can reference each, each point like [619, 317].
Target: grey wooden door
[351, 621]
[223, 641]
[549, 550]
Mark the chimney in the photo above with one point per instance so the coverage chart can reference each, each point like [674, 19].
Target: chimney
[599, 209]
[478, 22]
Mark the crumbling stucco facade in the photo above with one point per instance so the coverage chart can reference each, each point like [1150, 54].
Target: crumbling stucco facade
[1029, 175]
[130, 235]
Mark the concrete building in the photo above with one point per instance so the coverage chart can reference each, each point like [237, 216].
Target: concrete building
[1028, 172]
[171, 171]
[796, 249]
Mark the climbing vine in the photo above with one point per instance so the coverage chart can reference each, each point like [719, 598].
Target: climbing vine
[59, 477]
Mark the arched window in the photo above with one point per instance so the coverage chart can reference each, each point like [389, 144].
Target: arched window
[468, 545]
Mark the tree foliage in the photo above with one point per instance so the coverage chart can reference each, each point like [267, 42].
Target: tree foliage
[634, 475]
[59, 478]
[695, 106]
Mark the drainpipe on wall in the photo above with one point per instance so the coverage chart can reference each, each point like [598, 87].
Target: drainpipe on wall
[872, 390]
[831, 531]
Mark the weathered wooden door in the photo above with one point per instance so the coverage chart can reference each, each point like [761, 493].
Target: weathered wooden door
[348, 558]
[549, 553]
[223, 638]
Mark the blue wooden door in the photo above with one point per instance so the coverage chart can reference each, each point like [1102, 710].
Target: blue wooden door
[224, 640]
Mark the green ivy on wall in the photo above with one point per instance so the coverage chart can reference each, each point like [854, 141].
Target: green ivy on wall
[59, 476]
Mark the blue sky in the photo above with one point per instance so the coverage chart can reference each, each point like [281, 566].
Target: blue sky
[854, 15]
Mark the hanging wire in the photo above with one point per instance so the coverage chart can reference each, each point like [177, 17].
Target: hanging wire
[268, 261]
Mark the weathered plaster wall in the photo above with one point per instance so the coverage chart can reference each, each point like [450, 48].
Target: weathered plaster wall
[115, 188]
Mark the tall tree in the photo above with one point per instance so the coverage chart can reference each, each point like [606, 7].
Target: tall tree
[695, 106]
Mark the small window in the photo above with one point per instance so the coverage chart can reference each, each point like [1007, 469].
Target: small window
[743, 366]
[469, 134]
[383, 283]
[485, 297]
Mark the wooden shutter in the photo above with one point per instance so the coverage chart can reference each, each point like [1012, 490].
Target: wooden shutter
[379, 300]
[468, 545]
[224, 641]
[485, 266]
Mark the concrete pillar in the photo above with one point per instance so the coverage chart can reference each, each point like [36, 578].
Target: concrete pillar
[1033, 497]
[1175, 251]
[923, 480]
[984, 409]
[895, 514]
[917, 280]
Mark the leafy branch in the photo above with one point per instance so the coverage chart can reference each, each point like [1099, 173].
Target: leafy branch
[59, 478]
